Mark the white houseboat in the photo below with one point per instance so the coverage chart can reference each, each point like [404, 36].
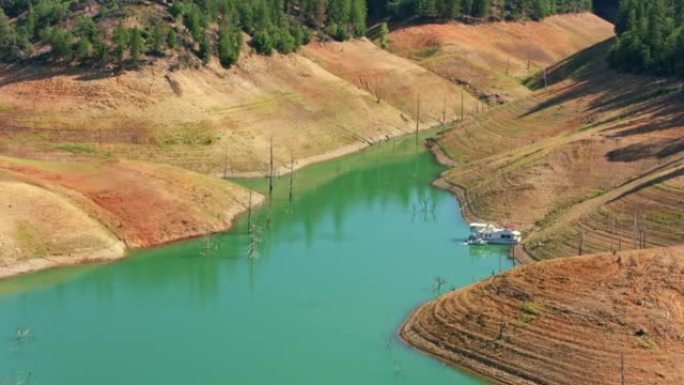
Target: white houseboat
[484, 233]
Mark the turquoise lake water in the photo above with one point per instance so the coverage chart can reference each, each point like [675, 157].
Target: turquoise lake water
[314, 296]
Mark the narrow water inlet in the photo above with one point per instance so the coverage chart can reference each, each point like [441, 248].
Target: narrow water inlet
[313, 295]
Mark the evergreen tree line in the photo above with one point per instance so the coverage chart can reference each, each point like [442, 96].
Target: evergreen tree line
[650, 37]
[205, 27]
[478, 9]
[215, 27]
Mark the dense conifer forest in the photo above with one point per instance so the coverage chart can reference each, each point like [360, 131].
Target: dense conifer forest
[116, 32]
[650, 37]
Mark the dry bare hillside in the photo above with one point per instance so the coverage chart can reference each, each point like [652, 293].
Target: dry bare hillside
[591, 163]
[567, 321]
[57, 213]
[493, 59]
[393, 79]
[209, 119]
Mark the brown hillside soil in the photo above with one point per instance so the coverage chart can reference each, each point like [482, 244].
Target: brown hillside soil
[647, 212]
[72, 212]
[30, 238]
[492, 59]
[565, 163]
[567, 321]
[393, 79]
[208, 119]
[142, 203]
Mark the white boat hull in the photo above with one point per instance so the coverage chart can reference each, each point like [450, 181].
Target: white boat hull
[487, 234]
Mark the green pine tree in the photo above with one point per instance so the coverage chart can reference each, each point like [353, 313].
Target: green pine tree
[156, 39]
[171, 39]
[6, 33]
[135, 45]
[120, 39]
[384, 36]
[205, 48]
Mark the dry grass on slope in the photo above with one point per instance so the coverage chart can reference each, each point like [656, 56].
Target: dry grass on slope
[647, 212]
[41, 229]
[492, 59]
[142, 204]
[536, 162]
[208, 119]
[393, 79]
[567, 321]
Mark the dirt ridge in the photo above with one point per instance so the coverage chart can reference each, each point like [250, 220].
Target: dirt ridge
[564, 321]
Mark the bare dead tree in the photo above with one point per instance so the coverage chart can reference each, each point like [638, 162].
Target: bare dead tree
[418, 118]
[437, 284]
[254, 242]
[636, 231]
[292, 171]
[208, 245]
[249, 214]
[581, 243]
[270, 171]
[619, 232]
[462, 104]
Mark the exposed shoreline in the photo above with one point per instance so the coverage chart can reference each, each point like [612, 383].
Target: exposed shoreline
[119, 251]
[497, 328]
[327, 156]
[116, 252]
[472, 367]
[517, 253]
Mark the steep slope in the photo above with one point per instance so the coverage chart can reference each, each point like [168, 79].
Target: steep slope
[393, 79]
[592, 135]
[493, 59]
[58, 213]
[567, 321]
[209, 119]
[30, 239]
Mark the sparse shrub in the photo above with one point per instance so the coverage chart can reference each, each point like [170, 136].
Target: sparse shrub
[205, 48]
[229, 45]
[171, 39]
[384, 36]
[135, 45]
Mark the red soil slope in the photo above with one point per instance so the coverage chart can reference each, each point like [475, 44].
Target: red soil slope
[491, 59]
[567, 321]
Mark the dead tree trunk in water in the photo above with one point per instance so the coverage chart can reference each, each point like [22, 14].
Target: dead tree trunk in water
[270, 172]
[249, 214]
[418, 118]
[291, 176]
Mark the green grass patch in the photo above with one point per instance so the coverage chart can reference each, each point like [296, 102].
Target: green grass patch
[193, 134]
[30, 240]
[424, 53]
[77, 148]
[530, 312]
[530, 308]
[553, 215]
